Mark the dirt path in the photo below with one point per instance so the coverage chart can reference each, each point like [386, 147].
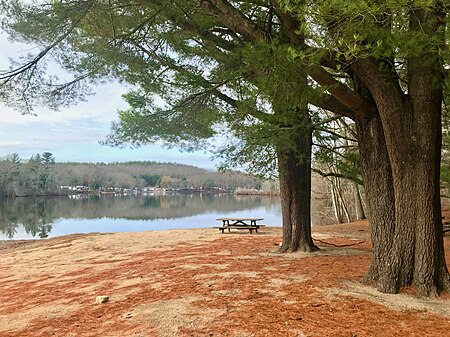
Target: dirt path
[202, 283]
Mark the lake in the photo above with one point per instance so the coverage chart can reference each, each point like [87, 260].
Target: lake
[28, 218]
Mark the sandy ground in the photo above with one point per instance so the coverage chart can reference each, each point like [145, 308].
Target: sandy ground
[202, 283]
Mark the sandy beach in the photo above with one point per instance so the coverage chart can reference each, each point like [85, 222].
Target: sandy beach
[199, 282]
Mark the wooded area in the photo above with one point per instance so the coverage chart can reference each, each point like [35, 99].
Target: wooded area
[42, 175]
[267, 71]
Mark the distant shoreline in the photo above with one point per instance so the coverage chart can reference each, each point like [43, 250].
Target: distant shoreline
[65, 193]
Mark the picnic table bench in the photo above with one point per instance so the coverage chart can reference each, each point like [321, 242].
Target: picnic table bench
[240, 223]
[446, 225]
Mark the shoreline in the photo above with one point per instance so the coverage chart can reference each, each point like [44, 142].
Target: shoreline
[5, 244]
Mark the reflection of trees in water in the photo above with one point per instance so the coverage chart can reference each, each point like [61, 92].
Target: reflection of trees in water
[36, 215]
[160, 206]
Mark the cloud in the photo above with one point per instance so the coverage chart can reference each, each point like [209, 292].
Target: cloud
[7, 144]
[102, 106]
[73, 133]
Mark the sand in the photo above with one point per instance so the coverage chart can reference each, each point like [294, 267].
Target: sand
[200, 282]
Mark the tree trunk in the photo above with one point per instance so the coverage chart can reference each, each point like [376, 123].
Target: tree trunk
[379, 192]
[294, 166]
[404, 201]
[359, 209]
[378, 185]
[412, 132]
[417, 255]
[342, 201]
[335, 201]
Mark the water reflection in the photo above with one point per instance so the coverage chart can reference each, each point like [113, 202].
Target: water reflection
[36, 217]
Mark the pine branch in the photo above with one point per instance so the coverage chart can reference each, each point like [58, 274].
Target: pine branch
[330, 103]
[8, 76]
[213, 88]
[337, 175]
[236, 21]
[336, 134]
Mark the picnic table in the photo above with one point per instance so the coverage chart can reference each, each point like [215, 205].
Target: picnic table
[240, 223]
[446, 225]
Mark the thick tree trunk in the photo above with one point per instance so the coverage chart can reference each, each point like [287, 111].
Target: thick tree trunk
[378, 185]
[294, 166]
[379, 192]
[416, 256]
[412, 132]
[404, 202]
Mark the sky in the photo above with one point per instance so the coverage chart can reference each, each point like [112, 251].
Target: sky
[73, 134]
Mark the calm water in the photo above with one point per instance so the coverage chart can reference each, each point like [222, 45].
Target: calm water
[26, 218]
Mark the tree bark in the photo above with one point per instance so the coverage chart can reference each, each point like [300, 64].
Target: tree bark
[411, 125]
[378, 184]
[416, 256]
[404, 201]
[294, 166]
[379, 193]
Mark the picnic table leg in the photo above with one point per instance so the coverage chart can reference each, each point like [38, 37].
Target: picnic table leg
[226, 223]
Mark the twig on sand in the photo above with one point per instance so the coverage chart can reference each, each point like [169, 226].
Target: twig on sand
[332, 244]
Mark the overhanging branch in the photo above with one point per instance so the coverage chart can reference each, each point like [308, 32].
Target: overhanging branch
[338, 175]
[8, 76]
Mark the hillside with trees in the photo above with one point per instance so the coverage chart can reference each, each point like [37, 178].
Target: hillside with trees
[42, 175]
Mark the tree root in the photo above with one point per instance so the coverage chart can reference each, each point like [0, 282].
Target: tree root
[283, 249]
[307, 248]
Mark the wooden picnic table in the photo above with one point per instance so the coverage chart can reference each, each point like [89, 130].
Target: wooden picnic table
[445, 225]
[240, 223]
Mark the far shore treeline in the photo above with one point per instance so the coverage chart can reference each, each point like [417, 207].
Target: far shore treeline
[42, 175]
